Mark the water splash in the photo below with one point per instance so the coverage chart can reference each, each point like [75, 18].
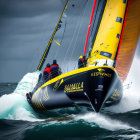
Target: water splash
[27, 83]
[14, 106]
[131, 96]
[103, 121]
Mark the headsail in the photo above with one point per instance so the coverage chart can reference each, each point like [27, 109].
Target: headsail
[129, 39]
[50, 42]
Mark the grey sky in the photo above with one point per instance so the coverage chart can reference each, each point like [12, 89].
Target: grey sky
[26, 27]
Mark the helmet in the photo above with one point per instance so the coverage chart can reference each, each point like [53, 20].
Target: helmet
[80, 57]
[54, 61]
[48, 65]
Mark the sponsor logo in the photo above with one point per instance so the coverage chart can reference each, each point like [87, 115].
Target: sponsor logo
[75, 87]
[101, 72]
[106, 54]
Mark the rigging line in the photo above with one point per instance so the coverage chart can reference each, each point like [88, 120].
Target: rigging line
[69, 45]
[50, 42]
[89, 25]
[61, 38]
[69, 48]
[77, 33]
[64, 31]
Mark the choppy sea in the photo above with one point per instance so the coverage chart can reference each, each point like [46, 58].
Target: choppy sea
[18, 121]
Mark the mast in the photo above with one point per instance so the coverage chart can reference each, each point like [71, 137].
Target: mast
[50, 42]
[93, 9]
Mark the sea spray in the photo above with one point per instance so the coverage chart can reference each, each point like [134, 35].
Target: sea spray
[131, 96]
[103, 121]
[14, 105]
[27, 83]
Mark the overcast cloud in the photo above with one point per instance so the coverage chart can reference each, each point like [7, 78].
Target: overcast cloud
[26, 27]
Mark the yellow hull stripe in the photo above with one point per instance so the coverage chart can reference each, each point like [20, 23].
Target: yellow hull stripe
[72, 73]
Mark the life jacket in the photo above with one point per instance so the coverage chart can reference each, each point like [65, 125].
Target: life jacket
[47, 69]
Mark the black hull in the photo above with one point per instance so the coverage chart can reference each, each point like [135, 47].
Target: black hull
[94, 87]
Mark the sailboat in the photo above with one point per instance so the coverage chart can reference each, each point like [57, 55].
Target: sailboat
[100, 82]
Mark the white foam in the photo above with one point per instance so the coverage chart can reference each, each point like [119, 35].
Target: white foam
[103, 121]
[22, 114]
[14, 105]
[7, 102]
[27, 83]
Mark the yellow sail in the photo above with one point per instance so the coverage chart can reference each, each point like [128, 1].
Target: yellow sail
[108, 36]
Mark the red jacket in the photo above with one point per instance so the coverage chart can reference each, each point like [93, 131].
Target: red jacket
[47, 69]
[82, 59]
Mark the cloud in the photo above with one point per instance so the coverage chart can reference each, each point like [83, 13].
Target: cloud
[28, 8]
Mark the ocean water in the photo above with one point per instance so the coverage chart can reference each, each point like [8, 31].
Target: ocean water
[18, 121]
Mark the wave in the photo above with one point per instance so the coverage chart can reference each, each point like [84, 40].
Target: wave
[14, 106]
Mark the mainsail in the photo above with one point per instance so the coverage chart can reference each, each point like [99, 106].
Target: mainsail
[107, 39]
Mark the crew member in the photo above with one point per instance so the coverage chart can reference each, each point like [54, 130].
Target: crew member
[82, 62]
[55, 70]
[28, 97]
[46, 72]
